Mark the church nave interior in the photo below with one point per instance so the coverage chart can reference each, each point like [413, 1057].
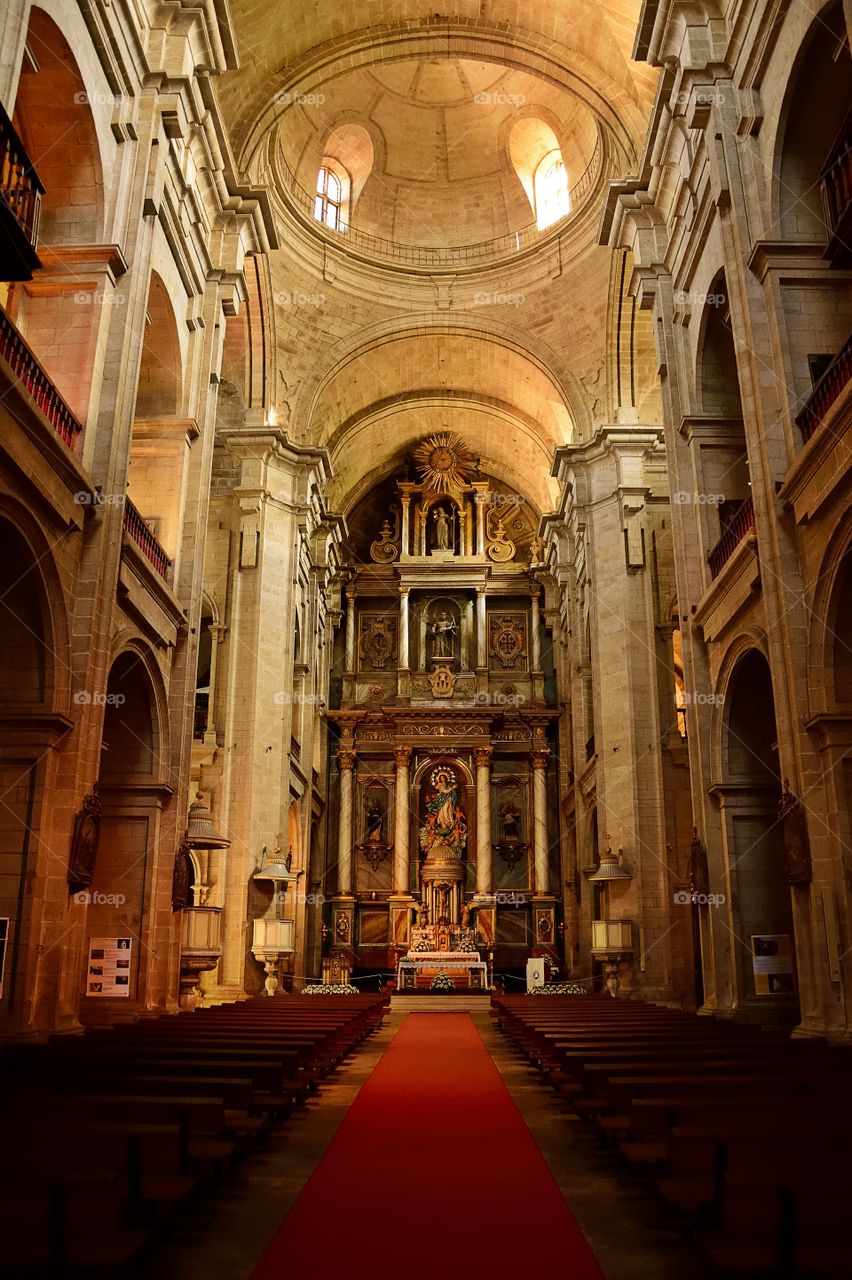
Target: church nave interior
[425, 633]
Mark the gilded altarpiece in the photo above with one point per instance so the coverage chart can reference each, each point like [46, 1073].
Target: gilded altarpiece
[374, 830]
[507, 641]
[377, 641]
[510, 836]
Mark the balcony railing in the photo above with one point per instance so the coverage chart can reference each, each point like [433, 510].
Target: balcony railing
[30, 374]
[136, 528]
[436, 256]
[20, 196]
[835, 187]
[826, 391]
[741, 524]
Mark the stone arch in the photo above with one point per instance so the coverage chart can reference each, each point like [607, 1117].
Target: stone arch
[761, 905]
[352, 144]
[160, 388]
[602, 89]
[716, 373]
[54, 117]
[371, 377]
[131, 730]
[531, 139]
[140, 665]
[809, 125]
[830, 638]
[34, 638]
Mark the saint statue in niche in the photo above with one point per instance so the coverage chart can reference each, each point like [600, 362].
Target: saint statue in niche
[375, 822]
[443, 631]
[511, 822]
[445, 823]
[442, 529]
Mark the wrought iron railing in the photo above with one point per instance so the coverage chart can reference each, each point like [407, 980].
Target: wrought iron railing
[437, 256]
[741, 524]
[30, 374]
[20, 188]
[826, 391]
[136, 528]
[835, 187]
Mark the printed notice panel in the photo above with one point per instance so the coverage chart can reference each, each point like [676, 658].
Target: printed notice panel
[108, 968]
[772, 962]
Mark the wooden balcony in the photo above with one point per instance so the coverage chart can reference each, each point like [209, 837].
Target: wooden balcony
[826, 391]
[26, 368]
[136, 528]
[835, 187]
[20, 202]
[740, 525]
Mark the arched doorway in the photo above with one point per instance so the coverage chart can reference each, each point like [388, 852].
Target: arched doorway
[27, 660]
[760, 909]
[121, 901]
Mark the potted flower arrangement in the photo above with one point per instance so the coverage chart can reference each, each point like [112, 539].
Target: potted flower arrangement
[330, 989]
[441, 982]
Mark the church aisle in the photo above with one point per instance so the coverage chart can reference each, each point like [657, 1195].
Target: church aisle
[432, 1172]
[227, 1229]
[632, 1236]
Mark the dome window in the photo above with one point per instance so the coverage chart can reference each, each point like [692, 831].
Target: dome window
[552, 197]
[332, 196]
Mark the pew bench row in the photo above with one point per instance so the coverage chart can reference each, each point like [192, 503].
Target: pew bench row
[742, 1132]
[109, 1134]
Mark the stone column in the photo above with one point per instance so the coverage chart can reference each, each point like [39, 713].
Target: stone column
[483, 821]
[535, 630]
[539, 764]
[402, 755]
[403, 628]
[481, 636]
[346, 764]
[217, 634]
[404, 539]
[350, 630]
[480, 498]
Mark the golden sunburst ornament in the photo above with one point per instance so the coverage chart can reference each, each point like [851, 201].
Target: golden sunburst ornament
[443, 461]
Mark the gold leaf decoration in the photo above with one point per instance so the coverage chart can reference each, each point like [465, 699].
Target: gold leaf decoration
[443, 461]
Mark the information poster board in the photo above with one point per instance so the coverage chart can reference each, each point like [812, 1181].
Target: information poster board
[772, 961]
[535, 973]
[108, 969]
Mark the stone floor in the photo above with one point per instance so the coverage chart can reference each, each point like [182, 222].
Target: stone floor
[224, 1235]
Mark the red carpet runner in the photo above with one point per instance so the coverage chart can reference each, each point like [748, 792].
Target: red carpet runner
[433, 1173]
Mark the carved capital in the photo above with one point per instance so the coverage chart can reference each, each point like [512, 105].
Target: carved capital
[346, 760]
[539, 759]
[482, 756]
[402, 755]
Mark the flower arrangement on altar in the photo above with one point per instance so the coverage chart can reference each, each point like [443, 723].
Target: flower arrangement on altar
[442, 982]
[422, 944]
[330, 989]
[467, 944]
[559, 989]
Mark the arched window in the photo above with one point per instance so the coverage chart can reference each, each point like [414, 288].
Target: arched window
[332, 194]
[552, 198]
